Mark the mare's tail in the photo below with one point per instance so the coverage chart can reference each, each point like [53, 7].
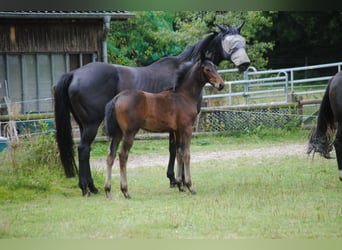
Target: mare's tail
[111, 123]
[63, 125]
[322, 138]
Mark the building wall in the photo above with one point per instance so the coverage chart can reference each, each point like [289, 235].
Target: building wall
[45, 35]
[35, 53]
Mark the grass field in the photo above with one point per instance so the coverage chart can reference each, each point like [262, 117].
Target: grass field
[250, 197]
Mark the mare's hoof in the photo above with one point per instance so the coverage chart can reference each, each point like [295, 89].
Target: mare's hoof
[86, 193]
[193, 192]
[173, 185]
[93, 189]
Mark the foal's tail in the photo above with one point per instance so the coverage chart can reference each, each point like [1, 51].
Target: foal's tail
[111, 123]
[322, 138]
[63, 124]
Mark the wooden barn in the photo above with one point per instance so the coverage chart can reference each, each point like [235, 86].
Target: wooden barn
[36, 48]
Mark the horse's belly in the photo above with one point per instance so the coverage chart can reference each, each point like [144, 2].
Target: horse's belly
[158, 125]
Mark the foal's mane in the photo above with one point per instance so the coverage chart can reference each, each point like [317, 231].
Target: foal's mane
[181, 73]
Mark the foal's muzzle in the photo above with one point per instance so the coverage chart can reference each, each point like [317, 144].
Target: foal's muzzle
[219, 86]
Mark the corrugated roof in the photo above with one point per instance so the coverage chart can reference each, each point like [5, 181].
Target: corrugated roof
[66, 14]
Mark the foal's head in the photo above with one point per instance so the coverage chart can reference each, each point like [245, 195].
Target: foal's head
[209, 73]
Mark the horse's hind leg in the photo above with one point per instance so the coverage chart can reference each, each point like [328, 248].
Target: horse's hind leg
[338, 149]
[85, 180]
[127, 143]
[110, 160]
[170, 168]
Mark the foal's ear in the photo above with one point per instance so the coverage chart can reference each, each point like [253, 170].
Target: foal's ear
[203, 56]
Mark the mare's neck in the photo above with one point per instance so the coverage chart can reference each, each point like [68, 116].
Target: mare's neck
[210, 45]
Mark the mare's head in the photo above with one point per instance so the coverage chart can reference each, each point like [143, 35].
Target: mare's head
[228, 44]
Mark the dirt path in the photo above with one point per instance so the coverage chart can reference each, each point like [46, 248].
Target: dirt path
[292, 149]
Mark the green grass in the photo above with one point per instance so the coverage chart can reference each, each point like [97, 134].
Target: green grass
[250, 197]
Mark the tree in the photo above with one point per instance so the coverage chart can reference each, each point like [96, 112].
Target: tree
[154, 34]
[304, 38]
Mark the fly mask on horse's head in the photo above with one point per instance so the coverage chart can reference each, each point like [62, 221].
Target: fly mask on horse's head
[234, 45]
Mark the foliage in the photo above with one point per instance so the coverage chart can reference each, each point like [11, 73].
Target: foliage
[32, 163]
[154, 34]
[304, 38]
[143, 39]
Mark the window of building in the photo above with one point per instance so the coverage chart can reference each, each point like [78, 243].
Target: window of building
[27, 79]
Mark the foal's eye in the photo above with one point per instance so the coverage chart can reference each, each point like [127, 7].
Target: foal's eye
[207, 70]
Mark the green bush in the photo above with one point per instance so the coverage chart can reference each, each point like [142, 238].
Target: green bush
[30, 164]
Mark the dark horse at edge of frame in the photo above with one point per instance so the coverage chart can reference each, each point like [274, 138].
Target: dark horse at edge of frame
[329, 123]
[85, 91]
[172, 111]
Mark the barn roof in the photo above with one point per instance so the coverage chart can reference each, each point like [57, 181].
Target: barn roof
[115, 15]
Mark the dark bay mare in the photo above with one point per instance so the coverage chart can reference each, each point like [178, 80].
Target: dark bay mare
[85, 91]
[172, 111]
[329, 123]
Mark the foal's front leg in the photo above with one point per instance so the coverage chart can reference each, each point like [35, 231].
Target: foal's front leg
[179, 174]
[183, 177]
[187, 175]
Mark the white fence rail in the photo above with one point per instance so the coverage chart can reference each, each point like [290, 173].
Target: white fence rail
[273, 86]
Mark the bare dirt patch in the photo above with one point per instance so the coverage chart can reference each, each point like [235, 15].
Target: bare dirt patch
[148, 160]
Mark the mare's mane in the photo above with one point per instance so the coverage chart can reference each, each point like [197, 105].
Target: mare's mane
[194, 51]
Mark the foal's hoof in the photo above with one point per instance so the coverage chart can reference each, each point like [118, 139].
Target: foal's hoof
[108, 195]
[193, 192]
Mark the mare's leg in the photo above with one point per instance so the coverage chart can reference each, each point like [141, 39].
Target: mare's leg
[170, 168]
[110, 160]
[85, 180]
[338, 149]
[127, 143]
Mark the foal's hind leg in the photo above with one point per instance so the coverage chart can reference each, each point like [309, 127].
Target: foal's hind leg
[338, 149]
[127, 143]
[110, 160]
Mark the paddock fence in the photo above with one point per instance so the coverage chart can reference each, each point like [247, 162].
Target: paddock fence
[267, 98]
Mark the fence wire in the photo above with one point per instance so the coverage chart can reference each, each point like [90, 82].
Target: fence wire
[240, 120]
